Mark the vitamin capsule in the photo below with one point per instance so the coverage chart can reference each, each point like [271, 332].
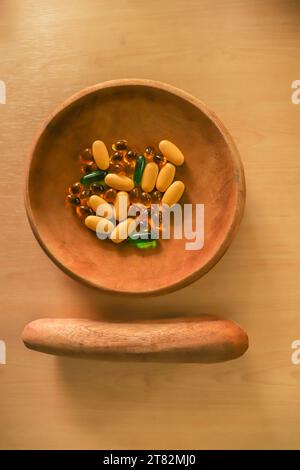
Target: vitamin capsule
[74, 200]
[149, 177]
[121, 205]
[130, 156]
[95, 201]
[88, 168]
[149, 154]
[159, 159]
[93, 177]
[144, 244]
[100, 225]
[86, 194]
[120, 145]
[149, 151]
[101, 154]
[117, 168]
[135, 195]
[84, 211]
[92, 221]
[145, 199]
[156, 197]
[110, 195]
[165, 177]
[86, 156]
[123, 230]
[139, 169]
[97, 188]
[129, 169]
[106, 210]
[104, 228]
[76, 188]
[117, 157]
[120, 182]
[173, 193]
[171, 152]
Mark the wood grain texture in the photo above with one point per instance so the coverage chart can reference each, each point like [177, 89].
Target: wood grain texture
[240, 57]
[204, 339]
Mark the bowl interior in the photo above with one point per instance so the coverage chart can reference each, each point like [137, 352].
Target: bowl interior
[143, 115]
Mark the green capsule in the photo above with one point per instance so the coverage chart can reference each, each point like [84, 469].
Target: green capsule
[144, 244]
[139, 169]
[93, 177]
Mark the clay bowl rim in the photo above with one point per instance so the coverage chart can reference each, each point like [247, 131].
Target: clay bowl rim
[236, 215]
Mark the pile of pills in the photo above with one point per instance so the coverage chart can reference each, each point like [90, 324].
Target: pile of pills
[125, 177]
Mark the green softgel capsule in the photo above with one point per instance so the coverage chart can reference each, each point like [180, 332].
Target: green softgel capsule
[93, 177]
[144, 244]
[139, 169]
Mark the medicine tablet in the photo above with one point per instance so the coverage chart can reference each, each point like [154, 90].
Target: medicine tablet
[173, 193]
[165, 177]
[123, 230]
[119, 182]
[171, 152]
[121, 205]
[99, 224]
[149, 177]
[100, 154]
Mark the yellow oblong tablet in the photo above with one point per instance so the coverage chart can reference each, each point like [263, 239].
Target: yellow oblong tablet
[106, 209]
[173, 193]
[91, 222]
[149, 177]
[171, 152]
[103, 227]
[119, 182]
[100, 154]
[123, 230]
[95, 201]
[165, 177]
[121, 205]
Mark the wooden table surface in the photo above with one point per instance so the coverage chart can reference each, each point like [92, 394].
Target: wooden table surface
[239, 57]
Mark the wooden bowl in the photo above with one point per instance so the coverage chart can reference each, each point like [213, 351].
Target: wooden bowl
[143, 112]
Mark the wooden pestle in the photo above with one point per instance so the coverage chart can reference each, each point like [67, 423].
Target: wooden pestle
[203, 339]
